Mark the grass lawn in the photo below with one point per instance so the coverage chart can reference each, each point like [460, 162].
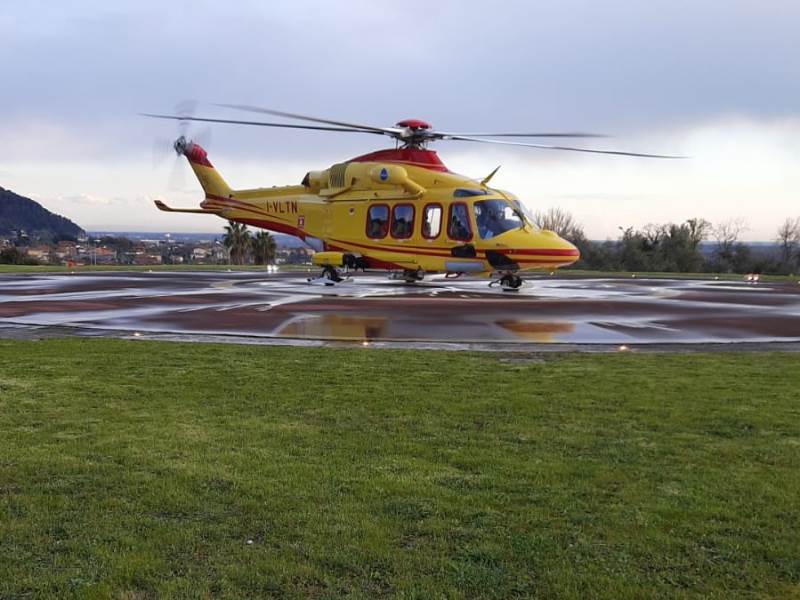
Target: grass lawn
[143, 469]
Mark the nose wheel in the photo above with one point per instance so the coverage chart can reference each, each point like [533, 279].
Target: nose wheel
[508, 282]
[330, 276]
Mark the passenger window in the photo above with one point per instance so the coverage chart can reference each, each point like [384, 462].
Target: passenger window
[402, 220]
[378, 221]
[458, 227]
[431, 221]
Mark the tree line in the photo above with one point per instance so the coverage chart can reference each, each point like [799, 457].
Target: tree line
[678, 248]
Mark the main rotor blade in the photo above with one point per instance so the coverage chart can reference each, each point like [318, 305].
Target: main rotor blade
[547, 147]
[553, 135]
[258, 123]
[279, 113]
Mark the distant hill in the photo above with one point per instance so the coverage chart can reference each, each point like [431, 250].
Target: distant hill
[20, 213]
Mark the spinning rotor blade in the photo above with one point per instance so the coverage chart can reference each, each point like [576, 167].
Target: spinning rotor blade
[258, 123]
[278, 113]
[185, 110]
[177, 177]
[548, 147]
[184, 115]
[411, 133]
[446, 134]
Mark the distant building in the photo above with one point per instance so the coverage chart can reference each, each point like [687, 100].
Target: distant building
[104, 256]
[66, 251]
[147, 259]
[40, 253]
[294, 256]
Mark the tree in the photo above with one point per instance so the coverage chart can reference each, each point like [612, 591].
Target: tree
[726, 235]
[789, 239]
[653, 236]
[263, 248]
[698, 230]
[558, 220]
[631, 251]
[679, 249]
[237, 240]
[10, 256]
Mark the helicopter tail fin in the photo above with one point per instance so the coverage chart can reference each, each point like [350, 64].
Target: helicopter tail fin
[211, 181]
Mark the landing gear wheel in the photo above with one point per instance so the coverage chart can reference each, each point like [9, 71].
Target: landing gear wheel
[330, 276]
[509, 282]
[410, 276]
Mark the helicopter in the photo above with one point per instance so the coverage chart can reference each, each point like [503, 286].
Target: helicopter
[398, 209]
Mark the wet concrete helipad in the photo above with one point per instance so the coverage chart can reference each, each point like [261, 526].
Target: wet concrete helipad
[202, 305]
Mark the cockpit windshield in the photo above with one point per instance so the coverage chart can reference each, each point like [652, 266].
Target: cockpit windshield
[494, 217]
[524, 210]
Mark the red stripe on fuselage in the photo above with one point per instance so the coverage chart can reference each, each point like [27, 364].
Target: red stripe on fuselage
[540, 251]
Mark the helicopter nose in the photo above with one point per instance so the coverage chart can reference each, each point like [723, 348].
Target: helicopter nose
[572, 251]
[554, 250]
[569, 252]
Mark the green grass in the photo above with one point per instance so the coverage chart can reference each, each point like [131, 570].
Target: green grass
[141, 469]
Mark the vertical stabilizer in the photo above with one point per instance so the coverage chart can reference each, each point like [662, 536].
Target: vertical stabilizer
[212, 182]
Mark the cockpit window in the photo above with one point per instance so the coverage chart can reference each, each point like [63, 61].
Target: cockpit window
[494, 217]
[458, 227]
[466, 193]
[524, 210]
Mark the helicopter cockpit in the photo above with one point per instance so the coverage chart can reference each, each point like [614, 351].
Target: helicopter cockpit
[495, 217]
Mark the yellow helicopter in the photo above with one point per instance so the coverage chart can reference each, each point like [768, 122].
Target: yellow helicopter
[399, 209]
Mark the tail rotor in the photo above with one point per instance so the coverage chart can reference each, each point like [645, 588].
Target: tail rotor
[185, 110]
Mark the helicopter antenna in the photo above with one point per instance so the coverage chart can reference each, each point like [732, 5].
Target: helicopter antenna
[488, 178]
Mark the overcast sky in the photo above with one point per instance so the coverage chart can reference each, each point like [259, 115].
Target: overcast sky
[716, 80]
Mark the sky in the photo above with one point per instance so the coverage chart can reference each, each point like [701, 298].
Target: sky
[718, 81]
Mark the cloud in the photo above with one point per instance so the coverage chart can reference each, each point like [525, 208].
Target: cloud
[716, 79]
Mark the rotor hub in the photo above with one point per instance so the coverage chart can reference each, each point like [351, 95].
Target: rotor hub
[415, 133]
[180, 145]
[413, 124]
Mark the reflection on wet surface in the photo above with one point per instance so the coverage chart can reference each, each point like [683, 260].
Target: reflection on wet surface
[546, 310]
[334, 327]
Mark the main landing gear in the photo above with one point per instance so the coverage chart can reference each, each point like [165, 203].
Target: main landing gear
[508, 282]
[330, 276]
[409, 275]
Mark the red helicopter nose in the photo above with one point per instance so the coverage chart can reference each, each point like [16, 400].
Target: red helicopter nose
[414, 124]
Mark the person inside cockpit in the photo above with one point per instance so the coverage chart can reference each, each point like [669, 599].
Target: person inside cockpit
[494, 217]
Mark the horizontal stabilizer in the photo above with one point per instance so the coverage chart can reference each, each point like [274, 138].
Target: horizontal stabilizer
[161, 206]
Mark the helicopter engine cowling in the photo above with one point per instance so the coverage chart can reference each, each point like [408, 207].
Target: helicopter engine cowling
[394, 175]
[314, 180]
[389, 174]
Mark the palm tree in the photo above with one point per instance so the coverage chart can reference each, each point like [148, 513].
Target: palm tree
[237, 240]
[263, 248]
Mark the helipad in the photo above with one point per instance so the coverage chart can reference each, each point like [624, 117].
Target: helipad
[274, 307]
